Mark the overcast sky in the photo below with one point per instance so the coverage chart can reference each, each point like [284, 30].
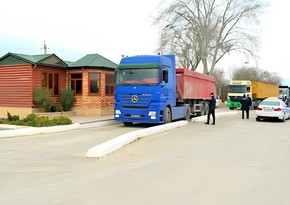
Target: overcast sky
[72, 29]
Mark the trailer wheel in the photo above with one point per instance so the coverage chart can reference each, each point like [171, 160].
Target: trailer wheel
[206, 108]
[201, 113]
[167, 115]
[128, 123]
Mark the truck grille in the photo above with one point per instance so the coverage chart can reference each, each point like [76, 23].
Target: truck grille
[236, 98]
[143, 100]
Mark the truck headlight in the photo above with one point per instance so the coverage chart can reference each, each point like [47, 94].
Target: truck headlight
[152, 115]
[117, 113]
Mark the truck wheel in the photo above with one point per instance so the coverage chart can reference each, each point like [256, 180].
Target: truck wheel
[206, 108]
[202, 110]
[128, 123]
[187, 116]
[167, 116]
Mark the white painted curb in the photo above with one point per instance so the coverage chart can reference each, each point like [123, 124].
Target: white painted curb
[17, 131]
[112, 145]
[37, 130]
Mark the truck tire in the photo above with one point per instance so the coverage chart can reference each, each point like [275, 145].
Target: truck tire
[167, 115]
[206, 108]
[202, 110]
[128, 123]
[187, 115]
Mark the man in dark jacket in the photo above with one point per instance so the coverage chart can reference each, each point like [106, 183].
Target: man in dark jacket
[211, 110]
[246, 103]
[249, 104]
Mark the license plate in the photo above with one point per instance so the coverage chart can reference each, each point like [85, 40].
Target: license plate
[136, 116]
[268, 109]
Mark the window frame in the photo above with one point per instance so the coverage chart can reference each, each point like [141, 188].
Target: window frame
[99, 80]
[110, 85]
[74, 80]
[50, 80]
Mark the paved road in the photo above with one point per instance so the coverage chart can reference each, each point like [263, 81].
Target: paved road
[234, 162]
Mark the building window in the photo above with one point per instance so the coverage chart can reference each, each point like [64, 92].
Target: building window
[110, 86]
[55, 84]
[51, 81]
[94, 83]
[76, 82]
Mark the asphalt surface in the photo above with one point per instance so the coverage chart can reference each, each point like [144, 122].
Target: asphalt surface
[237, 161]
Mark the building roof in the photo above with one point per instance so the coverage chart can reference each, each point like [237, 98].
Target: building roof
[94, 60]
[44, 59]
[88, 61]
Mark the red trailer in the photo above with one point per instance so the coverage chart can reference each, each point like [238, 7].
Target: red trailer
[194, 88]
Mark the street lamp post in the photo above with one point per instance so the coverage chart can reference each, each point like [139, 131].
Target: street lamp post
[161, 37]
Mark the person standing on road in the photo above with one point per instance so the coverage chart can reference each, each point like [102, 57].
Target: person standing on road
[246, 103]
[211, 110]
[249, 100]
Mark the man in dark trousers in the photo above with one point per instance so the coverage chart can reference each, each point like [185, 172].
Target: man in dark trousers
[249, 104]
[246, 103]
[211, 110]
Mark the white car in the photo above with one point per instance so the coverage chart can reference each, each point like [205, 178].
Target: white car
[272, 108]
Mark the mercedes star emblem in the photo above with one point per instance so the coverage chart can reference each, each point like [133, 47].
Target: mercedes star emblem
[134, 98]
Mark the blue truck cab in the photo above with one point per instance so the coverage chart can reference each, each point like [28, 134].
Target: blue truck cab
[146, 90]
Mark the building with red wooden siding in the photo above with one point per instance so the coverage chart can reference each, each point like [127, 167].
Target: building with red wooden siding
[91, 78]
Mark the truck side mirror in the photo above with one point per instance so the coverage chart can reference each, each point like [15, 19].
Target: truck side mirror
[165, 76]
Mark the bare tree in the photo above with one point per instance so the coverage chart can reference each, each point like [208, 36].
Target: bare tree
[256, 75]
[203, 31]
[221, 83]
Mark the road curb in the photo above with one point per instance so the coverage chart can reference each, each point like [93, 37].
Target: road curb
[37, 130]
[19, 131]
[114, 144]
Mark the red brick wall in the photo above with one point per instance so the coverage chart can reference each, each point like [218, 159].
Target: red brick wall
[92, 101]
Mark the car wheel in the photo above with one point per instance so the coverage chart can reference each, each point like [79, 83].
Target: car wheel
[284, 118]
[258, 119]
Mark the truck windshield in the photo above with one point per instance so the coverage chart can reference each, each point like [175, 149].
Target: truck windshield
[283, 91]
[237, 89]
[137, 76]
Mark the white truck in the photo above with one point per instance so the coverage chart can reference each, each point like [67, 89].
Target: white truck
[258, 91]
